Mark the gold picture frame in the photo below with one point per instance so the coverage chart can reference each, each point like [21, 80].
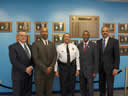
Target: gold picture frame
[123, 39]
[23, 26]
[58, 27]
[5, 26]
[39, 25]
[79, 24]
[123, 27]
[36, 37]
[57, 38]
[111, 26]
[123, 50]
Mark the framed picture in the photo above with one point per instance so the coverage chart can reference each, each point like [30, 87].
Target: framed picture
[94, 41]
[112, 36]
[58, 27]
[57, 38]
[124, 50]
[123, 39]
[111, 27]
[28, 39]
[5, 26]
[79, 24]
[37, 37]
[123, 27]
[75, 42]
[23, 26]
[39, 25]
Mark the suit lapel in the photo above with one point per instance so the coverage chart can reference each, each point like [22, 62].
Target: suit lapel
[21, 49]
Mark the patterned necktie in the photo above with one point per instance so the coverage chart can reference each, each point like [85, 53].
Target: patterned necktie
[85, 46]
[26, 50]
[68, 54]
[103, 44]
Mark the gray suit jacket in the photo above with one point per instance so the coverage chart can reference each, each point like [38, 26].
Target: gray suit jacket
[43, 56]
[88, 59]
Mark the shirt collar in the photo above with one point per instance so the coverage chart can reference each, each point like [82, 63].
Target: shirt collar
[106, 39]
[86, 42]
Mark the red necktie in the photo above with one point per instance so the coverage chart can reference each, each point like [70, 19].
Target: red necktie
[85, 46]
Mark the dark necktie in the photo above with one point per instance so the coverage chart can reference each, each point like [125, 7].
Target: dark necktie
[103, 44]
[26, 50]
[68, 54]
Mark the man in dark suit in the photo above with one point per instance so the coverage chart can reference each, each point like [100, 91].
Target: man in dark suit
[20, 57]
[88, 64]
[44, 56]
[109, 60]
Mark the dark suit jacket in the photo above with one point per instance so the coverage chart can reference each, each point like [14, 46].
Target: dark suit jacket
[19, 61]
[88, 59]
[43, 56]
[110, 58]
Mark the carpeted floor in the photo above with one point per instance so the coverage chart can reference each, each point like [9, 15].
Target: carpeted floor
[116, 93]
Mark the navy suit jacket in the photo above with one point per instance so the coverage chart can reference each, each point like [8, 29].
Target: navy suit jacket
[19, 60]
[110, 58]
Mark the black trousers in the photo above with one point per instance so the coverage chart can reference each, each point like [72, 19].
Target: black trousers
[22, 87]
[67, 78]
[86, 85]
[106, 79]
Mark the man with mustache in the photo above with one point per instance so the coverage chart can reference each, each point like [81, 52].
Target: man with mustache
[68, 62]
[109, 60]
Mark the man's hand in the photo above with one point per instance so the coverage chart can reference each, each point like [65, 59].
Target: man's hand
[115, 71]
[57, 74]
[49, 69]
[94, 75]
[77, 73]
[29, 70]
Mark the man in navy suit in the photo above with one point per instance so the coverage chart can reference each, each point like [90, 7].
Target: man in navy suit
[20, 58]
[109, 60]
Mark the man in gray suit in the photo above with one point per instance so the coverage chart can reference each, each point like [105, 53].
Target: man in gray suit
[88, 64]
[44, 56]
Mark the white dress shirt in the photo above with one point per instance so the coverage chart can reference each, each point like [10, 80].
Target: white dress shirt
[44, 41]
[106, 40]
[62, 54]
[22, 44]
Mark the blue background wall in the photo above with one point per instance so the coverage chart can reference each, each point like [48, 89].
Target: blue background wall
[55, 10]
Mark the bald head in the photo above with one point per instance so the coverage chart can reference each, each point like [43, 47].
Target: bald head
[105, 32]
[44, 33]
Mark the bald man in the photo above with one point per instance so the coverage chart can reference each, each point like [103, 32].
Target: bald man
[20, 57]
[109, 60]
[44, 56]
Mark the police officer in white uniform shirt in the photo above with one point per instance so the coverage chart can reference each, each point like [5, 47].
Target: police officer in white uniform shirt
[69, 66]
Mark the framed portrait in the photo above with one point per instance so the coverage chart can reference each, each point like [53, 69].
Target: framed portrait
[75, 42]
[5, 26]
[111, 27]
[37, 37]
[79, 24]
[23, 26]
[39, 25]
[112, 35]
[28, 39]
[123, 27]
[123, 39]
[58, 27]
[124, 50]
[57, 38]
